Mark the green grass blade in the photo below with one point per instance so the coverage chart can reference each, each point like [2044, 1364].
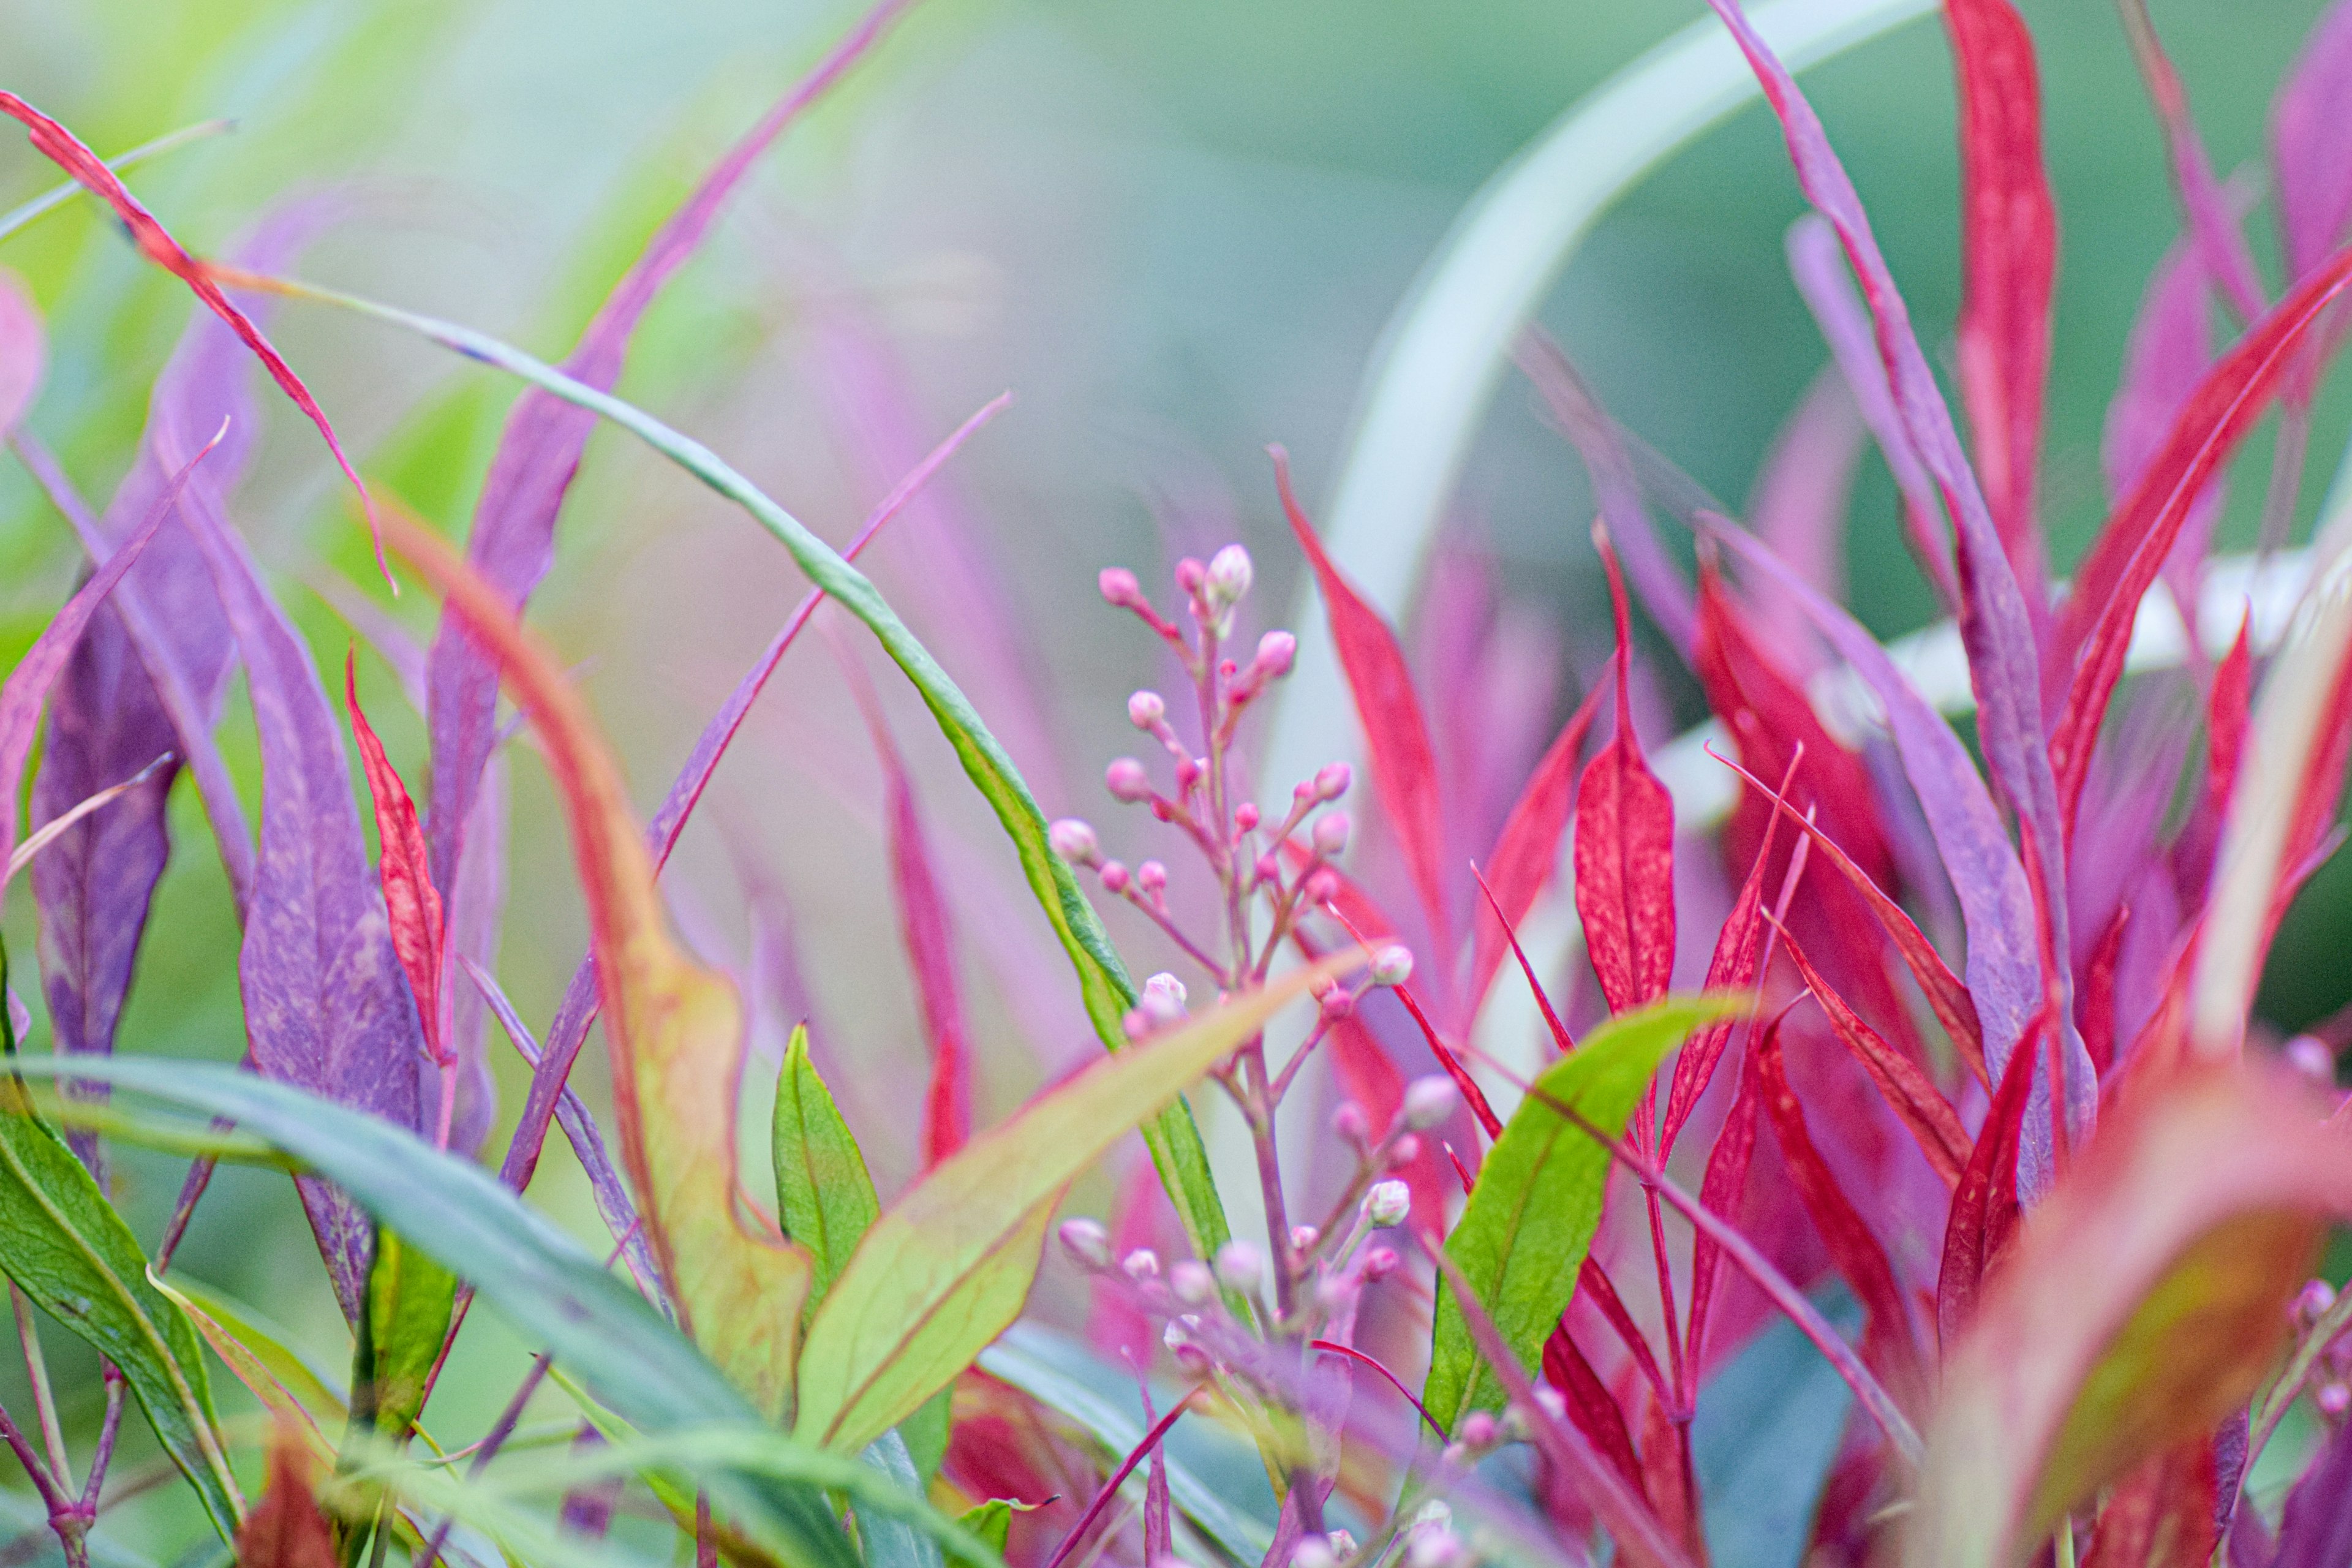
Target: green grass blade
[56, 196]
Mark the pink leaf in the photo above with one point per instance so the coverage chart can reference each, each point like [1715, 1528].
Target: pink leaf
[1526, 851]
[24, 350]
[2215, 232]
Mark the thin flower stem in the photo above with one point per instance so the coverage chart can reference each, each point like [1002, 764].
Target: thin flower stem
[2289, 1386]
[53, 1497]
[45, 1403]
[109, 1429]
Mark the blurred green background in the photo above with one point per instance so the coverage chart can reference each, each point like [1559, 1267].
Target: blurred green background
[1173, 230]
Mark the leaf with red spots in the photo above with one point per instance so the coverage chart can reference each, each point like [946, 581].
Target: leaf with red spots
[410, 899]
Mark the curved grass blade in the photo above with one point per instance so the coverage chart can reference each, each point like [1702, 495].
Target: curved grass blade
[641, 1368]
[1103, 979]
[1523, 1237]
[947, 1267]
[56, 196]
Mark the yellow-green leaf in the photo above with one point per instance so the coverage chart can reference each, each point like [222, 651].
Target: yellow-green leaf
[1523, 1236]
[947, 1267]
[825, 1197]
[409, 1300]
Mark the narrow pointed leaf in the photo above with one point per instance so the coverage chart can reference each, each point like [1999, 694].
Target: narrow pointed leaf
[409, 1300]
[1624, 849]
[411, 901]
[1913, 1095]
[1523, 1237]
[326, 1005]
[2316, 1528]
[2224, 249]
[1983, 1212]
[61, 147]
[824, 1199]
[2311, 167]
[947, 1266]
[24, 350]
[286, 1529]
[1404, 767]
[676, 1030]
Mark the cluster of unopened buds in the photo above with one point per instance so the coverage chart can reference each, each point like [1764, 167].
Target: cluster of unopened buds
[1287, 861]
[1427, 1542]
[2333, 1393]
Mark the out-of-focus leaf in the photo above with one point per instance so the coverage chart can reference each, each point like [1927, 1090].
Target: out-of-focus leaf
[1104, 982]
[1624, 847]
[1912, 1094]
[1983, 1212]
[2315, 1529]
[24, 350]
[1766, 1430]
[892, 1543]
[2011, 263]
[2219, 241]
[1523, 1237]
[2143, 1302]
[326, 1005]
[286, 1529]
[824, 1198]
[408, 1304]
[2160, 1515]
[642, 1370]
[2310, 163]
[57, 196]
[1405, 766]
[2171, 344]
[64, 149]
[1592, 1407]
[992, 1522]
[676, 1030]
[1527, 850]
[288, 1386]
[512, 542]
[577, 1011]
[68, 1250]
[947, 1266]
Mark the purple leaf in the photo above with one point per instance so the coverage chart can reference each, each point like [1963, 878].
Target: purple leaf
[513, 539]
[2315, 1530]
[578, 1008]
[326, 1006]
[24, 350]
[475, 905]
[2311, 159]
[1996, 627]
[605, 1181]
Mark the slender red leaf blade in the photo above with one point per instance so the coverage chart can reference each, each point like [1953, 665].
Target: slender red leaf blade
[410, 899]
[1405, 766]
[1624, 847]
[1917, 1101]
[1592, 1410]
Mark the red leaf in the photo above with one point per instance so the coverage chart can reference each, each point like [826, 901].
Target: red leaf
[1887, 1342]
[1593, 1282]
[64, 149]
[1624, 849]
[2215, 232]
[286, 1529]
[1949, 1000]
[2095, 1004]
[2097, 620]
[1917, 1101]
[1527, 850]
[1404, 767]
[410, 898]
[1984, 1205]
[1559, 1035]
[2012, 261]
[1722, 1189]
[1471, 1093]
[2161, 1515]
[2226, 709]
[1592, 1408]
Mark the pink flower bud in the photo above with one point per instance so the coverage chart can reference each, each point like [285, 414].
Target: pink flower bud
[1192, 1282]
[1245, 817]
[1188, 773]
[1114, 876]
[1478, 1429]
[1379, 1262]
[1337, 1002]
[1330, 834]
[1074, 842]
[1088, 1244]
[1164, 999]
[1152, 877]
[1127, 781]
[1136, 1024]
[1140, 1265]
[1391, 966]
[1332, 779]
[1240, 1265]
[1312, 1551]
[1269, 869]
[1302, 1236]
[1119, 587]
[1349, 1125]
[2312, 1058]
[2333, 1399]
[1277, 651]
[1404, 1151]
[1191, 575]
[1146, 708]
[1388, 1203]
[1322, 888]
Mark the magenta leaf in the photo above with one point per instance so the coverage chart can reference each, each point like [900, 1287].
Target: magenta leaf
[2171, 345]
[24, 350]
[327, 1006]
[1527, 850]
[2210, 226]
[2310, 159]
[1624, 847]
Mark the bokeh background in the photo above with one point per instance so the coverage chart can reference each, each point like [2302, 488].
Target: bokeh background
[1173, 231]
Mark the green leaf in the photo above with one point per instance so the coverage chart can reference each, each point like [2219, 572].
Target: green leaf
[927, 1433]
[519, 1264]
[66, 1248]
[947, 1266]
[256, 1353]
[992, 1522]
[895, 1542]
[409, 1300]
[1107, 990]
[1530, 1222]
[825, 1197]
